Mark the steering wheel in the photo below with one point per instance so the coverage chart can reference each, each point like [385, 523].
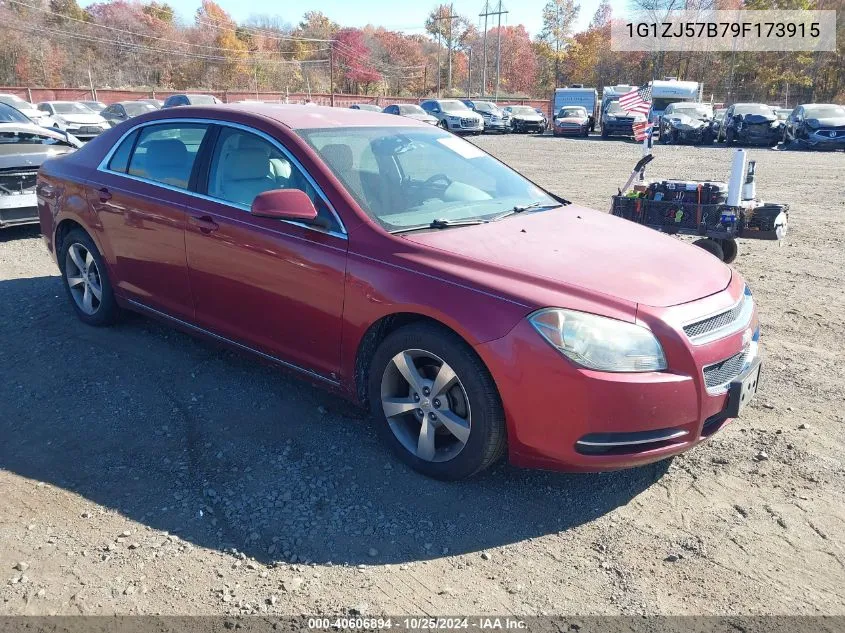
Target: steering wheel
[437, 177]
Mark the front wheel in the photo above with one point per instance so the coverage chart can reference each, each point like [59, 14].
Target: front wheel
[86, 280]
[435, 404]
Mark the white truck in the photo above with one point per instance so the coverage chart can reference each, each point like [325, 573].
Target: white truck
[577, 95]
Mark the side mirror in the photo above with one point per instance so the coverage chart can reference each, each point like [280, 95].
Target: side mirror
[284, 204]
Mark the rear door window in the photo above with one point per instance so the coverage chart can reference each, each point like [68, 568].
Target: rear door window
[166, 152]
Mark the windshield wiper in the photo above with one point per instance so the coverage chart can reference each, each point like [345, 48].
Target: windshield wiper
[520, 208]
[440, 223]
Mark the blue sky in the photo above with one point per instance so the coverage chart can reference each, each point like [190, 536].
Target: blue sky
[402, 15]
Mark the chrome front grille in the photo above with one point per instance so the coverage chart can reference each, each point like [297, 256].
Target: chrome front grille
[719, 375]
[723, 323]
[17, 181]
[469, 122]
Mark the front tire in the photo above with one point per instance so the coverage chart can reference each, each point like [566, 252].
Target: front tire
[86, 280]
[435, 404]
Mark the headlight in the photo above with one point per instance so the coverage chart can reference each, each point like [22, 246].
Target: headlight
[599, 343]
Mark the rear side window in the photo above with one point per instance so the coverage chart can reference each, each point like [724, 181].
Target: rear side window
[120, 159]
[166, 153]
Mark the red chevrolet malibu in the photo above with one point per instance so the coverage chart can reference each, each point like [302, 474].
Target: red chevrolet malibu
[474, 313]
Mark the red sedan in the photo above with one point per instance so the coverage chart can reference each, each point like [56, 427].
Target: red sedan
[473, 312]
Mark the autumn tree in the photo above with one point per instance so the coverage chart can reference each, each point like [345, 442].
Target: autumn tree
[558, 21]
[449, 29]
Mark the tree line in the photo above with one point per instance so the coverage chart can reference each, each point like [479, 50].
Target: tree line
[142, 44]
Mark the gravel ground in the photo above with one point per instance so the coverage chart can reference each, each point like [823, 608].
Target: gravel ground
[143, 471]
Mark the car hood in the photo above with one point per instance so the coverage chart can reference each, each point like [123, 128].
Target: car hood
[755, 119]
[82, 119]
[832, 121]
[420, 117]
[25, 130]
[572, 119]
[21, 155]
[527, 117]
[685, 120]
[574, 248]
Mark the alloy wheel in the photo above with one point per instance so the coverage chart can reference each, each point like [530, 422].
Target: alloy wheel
[426, 405]
[83, 278]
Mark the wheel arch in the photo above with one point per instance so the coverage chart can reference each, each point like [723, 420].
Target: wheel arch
[62, 229]
[377, 332]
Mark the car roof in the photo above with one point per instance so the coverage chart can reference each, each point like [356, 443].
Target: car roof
[297, 117]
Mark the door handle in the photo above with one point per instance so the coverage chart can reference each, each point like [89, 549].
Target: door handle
[104, 194]
[203, 223]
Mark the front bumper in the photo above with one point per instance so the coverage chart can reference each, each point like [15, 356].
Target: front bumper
[527, 126]
[465, 125]
[18, 209]
[563, 417]
[687, 135]
[759, 136]
[496, 126]
[84, 132]
[624, 128]
[823, 140]
[570, 129]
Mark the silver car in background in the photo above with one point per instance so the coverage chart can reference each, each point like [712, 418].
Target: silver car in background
[75, 118]
[454, 115]
[28, 110]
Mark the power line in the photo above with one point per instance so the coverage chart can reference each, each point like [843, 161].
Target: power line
[485, 14]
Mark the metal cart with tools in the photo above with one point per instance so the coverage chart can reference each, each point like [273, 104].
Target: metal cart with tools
[717, 212]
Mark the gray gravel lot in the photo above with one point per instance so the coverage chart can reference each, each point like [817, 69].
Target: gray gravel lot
[145, 471]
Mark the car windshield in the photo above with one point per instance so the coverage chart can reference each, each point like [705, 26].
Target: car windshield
[368, 106]
[8, 114]
[753, 108]
[70, 108]
[409, 177]
[410, 109]
[453, 106]
[572, 112]
[695, 110]
[523, 110]
[486, 106]
[615, 109]
[15, 100]
[136, 108]
[824, 111]
[201, 99]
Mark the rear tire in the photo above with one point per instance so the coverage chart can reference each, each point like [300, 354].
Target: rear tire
[86, 280]
[462, 427]
[730, 250]
[711, 246]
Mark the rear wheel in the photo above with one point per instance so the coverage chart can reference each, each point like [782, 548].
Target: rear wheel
[86, 280]
[435, 404]
[711, 246]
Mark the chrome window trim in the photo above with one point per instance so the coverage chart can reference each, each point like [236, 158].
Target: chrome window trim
[144, 307]
[103, 167]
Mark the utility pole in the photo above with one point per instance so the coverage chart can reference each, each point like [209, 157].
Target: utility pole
[451, 16]
[331, 73]
[469, 75]
[484, 45]
[498, 12]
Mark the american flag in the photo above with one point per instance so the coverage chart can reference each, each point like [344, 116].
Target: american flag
[642, 129]
[637, 101]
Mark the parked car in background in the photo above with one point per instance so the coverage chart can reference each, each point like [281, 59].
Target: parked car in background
[122, 110]
[495, 119]
[412, 111]
[189, 99]
[572, 120]
[578, 95]
[28, 110]
[75, 118]
[157, 103]
[472, 311]
[370, 107]
[525, 119]
[454, 115]
[750, 124]
[615, 121]
[816, 126]
[782, 113]
[686, 122]
[24, 146]
[94, 106]
[716, 122]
